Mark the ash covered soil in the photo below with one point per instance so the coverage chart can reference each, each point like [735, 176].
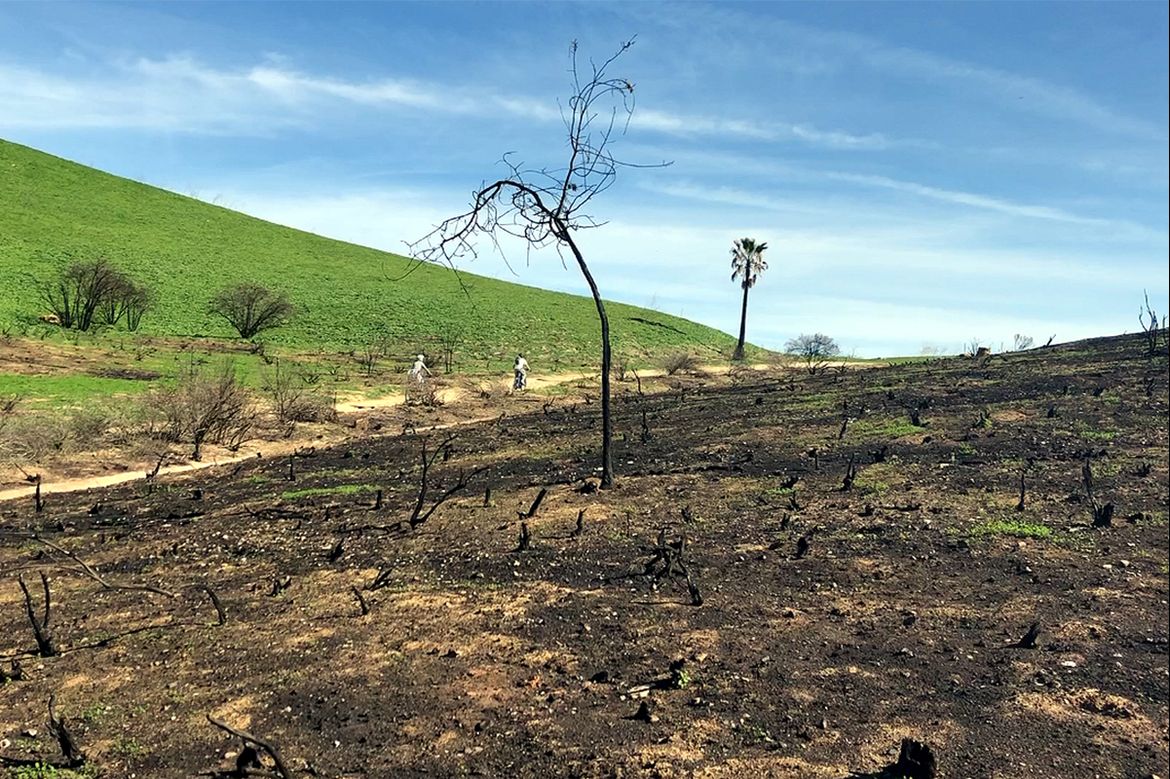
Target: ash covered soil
[856, 538]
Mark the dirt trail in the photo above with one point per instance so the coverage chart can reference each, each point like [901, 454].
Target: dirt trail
[264, 450]
[448, 395]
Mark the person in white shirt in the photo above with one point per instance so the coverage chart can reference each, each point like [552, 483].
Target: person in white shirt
[419, 370]
[520, 369]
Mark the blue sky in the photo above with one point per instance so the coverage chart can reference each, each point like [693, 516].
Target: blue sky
[925, 175]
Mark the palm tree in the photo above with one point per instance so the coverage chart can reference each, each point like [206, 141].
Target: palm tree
[747, 263]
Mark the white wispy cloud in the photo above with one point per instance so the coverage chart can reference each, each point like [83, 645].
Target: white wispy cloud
[1023, 93]
[778, 43]
[801, 203]
[976, 200]
[181, 93]
[694, 125]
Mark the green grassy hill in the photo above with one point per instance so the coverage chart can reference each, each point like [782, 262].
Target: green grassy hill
[346, 295]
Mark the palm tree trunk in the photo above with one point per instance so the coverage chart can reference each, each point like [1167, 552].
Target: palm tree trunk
[742, 327]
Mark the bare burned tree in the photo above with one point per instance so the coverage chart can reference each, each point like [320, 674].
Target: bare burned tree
[1153, 328]
[427, 461]
[546, 206]
[815, 350]
[80, 290]
[450, 338]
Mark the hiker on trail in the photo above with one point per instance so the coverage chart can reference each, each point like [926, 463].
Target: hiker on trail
[521, 373]
[419, 370]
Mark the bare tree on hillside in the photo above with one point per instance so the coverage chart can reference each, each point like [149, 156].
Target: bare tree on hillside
[251, 308]
[127, 301]
[545, 206]
[816, 350]
[81, 290]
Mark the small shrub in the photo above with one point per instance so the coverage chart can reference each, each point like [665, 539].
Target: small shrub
[424, 394]
[89, 424]
[204, 406]
[680, 362]
[621, 367]
[34, 437]
[287, 387]
[8, 404]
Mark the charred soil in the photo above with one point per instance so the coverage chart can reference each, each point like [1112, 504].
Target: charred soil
[791, 575]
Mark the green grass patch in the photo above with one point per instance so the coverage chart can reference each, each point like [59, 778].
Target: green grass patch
[1014, 528]
[67, 389]
[340, 489]
[894, 427]
[871, 486]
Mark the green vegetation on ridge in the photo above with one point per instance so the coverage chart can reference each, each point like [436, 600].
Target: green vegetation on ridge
[346, 295]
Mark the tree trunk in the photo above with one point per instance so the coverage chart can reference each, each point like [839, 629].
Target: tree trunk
[606, 421]
[742, 327]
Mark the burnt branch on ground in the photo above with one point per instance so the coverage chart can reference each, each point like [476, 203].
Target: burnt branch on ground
[365, 607]
[535, 505]
[88, 570]
[667, 560]
[40, 626]
[220, 614]
[282, 770]
[71, 755]
[1102, 513]
[915, 761]
[850, 474]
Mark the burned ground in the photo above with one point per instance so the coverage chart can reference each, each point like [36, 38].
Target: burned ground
[855, 538]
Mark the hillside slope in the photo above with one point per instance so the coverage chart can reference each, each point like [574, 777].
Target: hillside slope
[346, 295]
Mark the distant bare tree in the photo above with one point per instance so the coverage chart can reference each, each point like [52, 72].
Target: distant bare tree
[76, 297]
[545, 206]
[372, 351]
[450, 337]
[251, 308]
[127, 301]
[816, 350]
[1022, 342]
[747, 263]
[289, 388]
[1153, 329]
